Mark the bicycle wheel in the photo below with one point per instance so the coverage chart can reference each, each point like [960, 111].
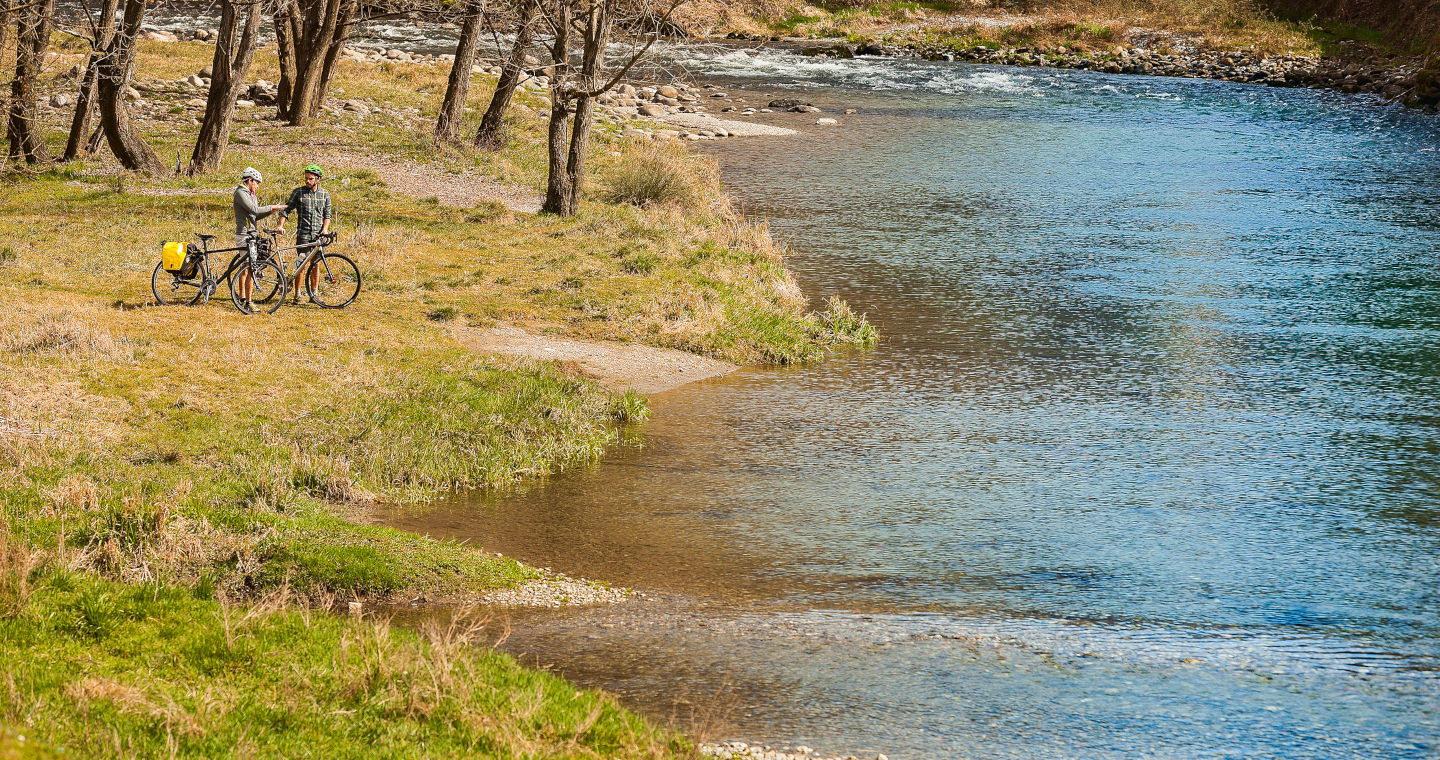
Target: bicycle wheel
[173, 290]
[259, 295]
[338, 282]
[267, 278]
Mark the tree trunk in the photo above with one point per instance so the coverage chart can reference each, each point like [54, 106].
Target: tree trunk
[312, 44]
[234, 50]
[452, 110]
[332, 53]
[77, 146]
[491, 135]
[557, 186]
[286, 30]
[115, 69]
[597, 27]
[32, 37]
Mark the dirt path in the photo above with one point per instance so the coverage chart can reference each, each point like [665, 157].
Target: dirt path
[616, 365]
[421, 181]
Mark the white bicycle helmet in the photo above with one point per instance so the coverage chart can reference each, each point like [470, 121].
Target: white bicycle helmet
[251, 173]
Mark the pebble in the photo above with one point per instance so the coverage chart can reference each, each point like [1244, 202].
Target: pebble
[738, 750]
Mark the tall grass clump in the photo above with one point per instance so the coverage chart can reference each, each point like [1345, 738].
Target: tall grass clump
[648, 173]
[845, 326]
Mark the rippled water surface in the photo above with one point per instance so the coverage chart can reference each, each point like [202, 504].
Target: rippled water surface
[1145, 466]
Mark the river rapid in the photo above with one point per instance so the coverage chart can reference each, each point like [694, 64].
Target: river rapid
[1144, 466]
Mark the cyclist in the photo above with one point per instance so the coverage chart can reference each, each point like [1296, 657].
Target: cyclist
[312, 221]
[248, 211]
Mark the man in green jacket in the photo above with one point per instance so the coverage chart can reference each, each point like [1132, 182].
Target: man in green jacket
[312, 220]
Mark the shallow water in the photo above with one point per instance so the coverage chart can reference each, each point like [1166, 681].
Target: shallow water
[1145, 466]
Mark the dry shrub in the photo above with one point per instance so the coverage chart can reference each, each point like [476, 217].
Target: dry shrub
[649, 173]
[62, 334]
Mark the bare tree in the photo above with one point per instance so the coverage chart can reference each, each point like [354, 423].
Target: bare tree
[32, 37]
[491, 134]
[116, 67]
[310, 35]
[77, 146]
[452, 110]
[581, 29]
[234, 50]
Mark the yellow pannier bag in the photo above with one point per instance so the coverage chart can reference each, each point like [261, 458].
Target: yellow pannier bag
[172, 257]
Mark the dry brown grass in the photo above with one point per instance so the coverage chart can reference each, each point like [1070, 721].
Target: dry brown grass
[18, 562]
[1077, 24]
[649, 173]
[64, 334]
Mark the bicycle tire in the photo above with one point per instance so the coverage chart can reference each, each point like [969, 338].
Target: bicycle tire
[338, 284]
[172, 290]
[254, 296]
[263, 273]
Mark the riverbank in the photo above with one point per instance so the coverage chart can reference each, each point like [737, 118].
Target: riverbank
[1235, 42]
[196, 455]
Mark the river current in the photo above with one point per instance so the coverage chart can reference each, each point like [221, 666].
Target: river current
[1147, 463]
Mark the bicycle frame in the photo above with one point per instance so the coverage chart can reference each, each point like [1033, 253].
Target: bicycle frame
[209, 284]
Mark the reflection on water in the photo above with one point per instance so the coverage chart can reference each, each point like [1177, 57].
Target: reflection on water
[1146, 464]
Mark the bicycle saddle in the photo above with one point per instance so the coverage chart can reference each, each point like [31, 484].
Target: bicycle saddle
[205, 238]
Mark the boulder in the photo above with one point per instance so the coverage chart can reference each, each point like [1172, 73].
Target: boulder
[786, 103]
[59, 100]
[355, 106]
[832, 51]
[803, 109]
[668, 91]
[132, 93]
[651, 109]
[1427, 86]
[194, 80]
[195, 102]
[826, 122]
[242, 103]
[206, 72]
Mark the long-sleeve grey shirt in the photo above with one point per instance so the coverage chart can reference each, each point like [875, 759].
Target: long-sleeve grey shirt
[247, 210]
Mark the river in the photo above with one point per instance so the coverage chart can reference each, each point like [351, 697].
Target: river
[1147, 463]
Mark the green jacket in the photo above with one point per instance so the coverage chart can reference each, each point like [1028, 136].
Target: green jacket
[313, 207]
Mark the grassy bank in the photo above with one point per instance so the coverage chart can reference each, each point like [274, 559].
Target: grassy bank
[97, 669]
[1284, 28]
[152, 458]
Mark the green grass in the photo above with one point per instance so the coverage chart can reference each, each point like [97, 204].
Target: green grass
[97, 669]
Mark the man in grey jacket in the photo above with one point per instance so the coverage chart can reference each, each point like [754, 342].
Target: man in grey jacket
[247, 212]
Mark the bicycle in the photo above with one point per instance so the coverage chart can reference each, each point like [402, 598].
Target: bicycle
[336, 279]
[195, 284]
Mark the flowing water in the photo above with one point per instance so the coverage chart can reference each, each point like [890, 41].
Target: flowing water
[1146, 465]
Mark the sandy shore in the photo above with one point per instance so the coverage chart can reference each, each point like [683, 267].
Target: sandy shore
[620, 366]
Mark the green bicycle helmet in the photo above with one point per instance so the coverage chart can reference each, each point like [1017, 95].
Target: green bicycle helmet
[314, 169]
